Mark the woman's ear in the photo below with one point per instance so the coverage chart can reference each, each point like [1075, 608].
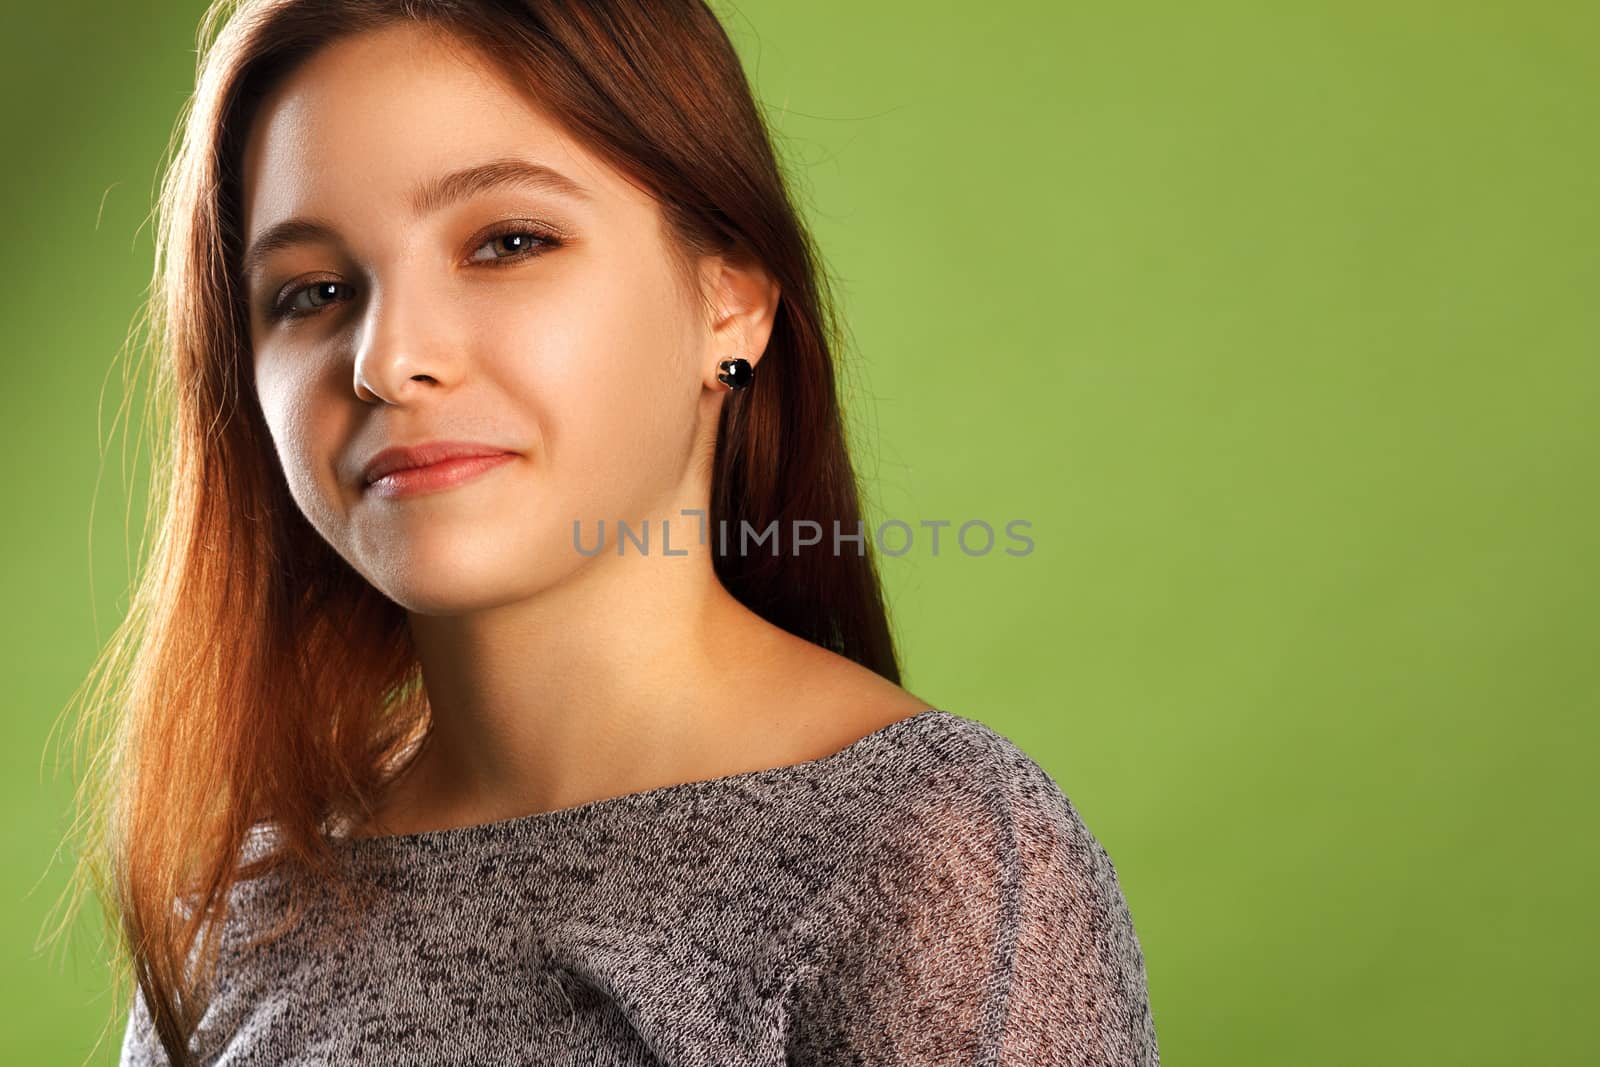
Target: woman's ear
[744, 301]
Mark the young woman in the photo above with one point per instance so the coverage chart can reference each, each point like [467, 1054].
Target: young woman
[418, 757]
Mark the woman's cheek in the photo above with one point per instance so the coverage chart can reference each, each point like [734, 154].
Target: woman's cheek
[307, 433]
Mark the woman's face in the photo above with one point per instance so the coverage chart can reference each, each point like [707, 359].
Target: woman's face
[539, 317]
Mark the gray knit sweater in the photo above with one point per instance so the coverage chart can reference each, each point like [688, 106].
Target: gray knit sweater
[927, 895]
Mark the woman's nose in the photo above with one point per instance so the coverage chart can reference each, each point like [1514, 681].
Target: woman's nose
[405, 345]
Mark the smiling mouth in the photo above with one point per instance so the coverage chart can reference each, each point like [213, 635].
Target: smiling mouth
[435, 477]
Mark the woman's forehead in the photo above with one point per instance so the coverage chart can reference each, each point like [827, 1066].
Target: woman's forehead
[382, 116]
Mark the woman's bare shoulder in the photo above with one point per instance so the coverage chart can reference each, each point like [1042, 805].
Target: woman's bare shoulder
[820, 702]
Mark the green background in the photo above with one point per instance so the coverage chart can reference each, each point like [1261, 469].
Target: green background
[1277, 321]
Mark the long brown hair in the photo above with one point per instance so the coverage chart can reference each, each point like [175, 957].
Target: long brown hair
[257, 677]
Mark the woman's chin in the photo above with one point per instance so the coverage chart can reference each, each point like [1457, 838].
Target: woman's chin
[461, 582]
[451, 596]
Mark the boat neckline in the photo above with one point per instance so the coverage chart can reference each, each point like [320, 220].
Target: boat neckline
[485, 831]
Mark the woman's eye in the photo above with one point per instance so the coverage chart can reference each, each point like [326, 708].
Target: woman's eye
[501, 248]
[516, 243]
[308, 299]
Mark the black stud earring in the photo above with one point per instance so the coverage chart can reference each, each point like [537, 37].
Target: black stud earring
[736, 373]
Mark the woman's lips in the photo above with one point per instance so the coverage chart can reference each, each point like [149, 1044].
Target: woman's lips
[446, 474]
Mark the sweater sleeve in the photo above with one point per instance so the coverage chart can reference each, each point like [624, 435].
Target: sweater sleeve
[140, 1046]
[990, 928]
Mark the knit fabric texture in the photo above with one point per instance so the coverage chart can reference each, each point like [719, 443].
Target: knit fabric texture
[927, 895]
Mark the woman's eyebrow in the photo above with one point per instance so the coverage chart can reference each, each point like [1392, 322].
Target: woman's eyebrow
[432, 195]
[285, 234]
[426, 198]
